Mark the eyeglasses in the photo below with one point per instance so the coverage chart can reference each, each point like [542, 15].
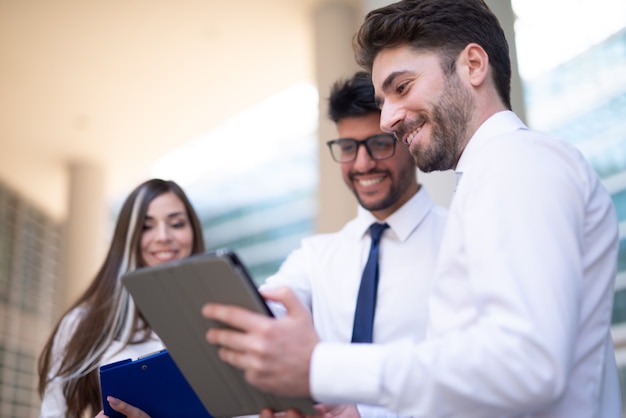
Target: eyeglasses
[379, 147]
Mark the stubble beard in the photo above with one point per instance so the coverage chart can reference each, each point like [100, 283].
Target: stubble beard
[450, 117]
[398, 188]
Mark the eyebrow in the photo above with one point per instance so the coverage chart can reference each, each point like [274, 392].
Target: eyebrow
[169, 216]
[391, 77]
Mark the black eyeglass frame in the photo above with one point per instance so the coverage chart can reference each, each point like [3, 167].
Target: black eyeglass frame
[365, 142]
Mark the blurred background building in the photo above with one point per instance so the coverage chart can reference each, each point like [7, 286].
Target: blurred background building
[229, 100]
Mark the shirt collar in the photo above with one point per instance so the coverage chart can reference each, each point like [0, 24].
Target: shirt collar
[403, 221]
[498, 124]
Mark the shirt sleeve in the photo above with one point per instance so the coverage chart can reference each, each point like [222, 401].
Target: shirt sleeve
[294, 273]
[505, 313]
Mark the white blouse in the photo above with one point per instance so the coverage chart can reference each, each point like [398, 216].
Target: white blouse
[53, 403]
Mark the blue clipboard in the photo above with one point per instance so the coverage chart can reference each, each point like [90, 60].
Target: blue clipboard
[152, 383]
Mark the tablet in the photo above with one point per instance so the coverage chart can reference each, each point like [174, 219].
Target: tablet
[152, 383]
[170, 296]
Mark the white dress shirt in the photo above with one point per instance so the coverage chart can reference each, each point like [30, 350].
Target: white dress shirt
[325, 273]
[521, 306]
[53, 404]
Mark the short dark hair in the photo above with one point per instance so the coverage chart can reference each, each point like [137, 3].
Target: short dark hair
[442, 26]
[352, 97]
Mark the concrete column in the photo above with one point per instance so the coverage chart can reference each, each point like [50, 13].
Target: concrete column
[335, 25]
[84, 233]
[368, 5]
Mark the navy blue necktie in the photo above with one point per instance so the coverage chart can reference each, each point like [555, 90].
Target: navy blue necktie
[366, 303]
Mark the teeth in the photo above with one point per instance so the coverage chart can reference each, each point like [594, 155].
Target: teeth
[370, 182]
[412, 135]
[164, 255]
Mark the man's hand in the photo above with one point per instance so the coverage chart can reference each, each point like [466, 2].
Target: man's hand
[123, 408]
[274, 353]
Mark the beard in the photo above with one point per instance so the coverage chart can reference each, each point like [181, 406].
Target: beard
[400, 184]
[450, 117]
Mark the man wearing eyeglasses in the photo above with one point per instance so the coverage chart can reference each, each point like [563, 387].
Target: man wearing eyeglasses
[326, 271]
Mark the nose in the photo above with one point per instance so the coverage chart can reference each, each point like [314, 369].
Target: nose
[391, 116]
[163, 232]
[363, 162]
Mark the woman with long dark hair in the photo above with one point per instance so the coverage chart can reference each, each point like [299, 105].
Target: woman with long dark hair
[156, 224]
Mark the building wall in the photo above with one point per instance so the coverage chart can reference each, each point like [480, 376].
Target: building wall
[29, 267]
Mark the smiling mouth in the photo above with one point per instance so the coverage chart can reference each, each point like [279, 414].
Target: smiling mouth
[408, 139]
[164, 255]
[370, 182]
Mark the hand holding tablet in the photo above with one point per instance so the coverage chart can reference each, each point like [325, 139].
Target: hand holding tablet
[171, 296]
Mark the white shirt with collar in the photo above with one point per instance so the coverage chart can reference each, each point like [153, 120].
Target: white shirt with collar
[521, 307]
[325, 273]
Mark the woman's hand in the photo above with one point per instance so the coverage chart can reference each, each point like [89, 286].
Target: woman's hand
[123, 408]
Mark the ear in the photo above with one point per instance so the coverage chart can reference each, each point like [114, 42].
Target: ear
[475, 59]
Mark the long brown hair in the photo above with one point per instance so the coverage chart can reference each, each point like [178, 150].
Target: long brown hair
[109, 312]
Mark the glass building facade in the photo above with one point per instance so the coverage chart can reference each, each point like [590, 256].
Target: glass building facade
[584, 101]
